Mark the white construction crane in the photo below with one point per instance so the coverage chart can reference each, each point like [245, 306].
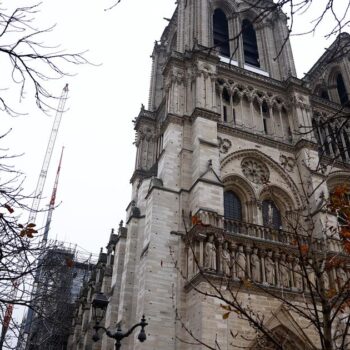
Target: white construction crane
[42, 177]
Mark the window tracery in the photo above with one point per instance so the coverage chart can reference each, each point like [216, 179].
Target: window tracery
[232, 206]
[255, 171]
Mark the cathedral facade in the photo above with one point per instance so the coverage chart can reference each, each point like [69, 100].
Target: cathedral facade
[230, 149]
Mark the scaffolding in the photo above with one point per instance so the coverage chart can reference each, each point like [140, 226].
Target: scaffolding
[64, 269]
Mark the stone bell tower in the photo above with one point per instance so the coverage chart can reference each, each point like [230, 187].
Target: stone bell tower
[219, 142]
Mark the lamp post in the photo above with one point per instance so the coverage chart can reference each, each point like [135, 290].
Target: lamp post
[99, 306]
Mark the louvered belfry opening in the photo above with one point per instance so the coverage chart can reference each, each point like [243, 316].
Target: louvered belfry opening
[343, 95]
[250, 46]
[232, 206]
[220, 31]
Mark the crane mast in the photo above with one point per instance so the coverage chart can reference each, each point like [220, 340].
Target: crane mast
[43, 173]
[52, 200]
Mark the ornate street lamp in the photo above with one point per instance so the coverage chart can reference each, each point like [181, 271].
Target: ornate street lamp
[99, 306]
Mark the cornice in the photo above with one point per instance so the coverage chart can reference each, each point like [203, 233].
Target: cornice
[330, 106]
[143, 174]
[247, 135]
[303, 143]
[144, 116]
[252, 76]
[205, 113]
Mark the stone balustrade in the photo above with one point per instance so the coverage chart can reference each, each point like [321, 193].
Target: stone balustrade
[270, 267]
[258, 232]
[242, 251]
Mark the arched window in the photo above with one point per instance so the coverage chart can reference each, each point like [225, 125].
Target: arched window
[343, 95]
[250, 46]
[271, 214]
[232, 206]
[220, 32]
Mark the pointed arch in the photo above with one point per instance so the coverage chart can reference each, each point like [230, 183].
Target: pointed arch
[291, 189]
[250, 45]
[221, 33]
[282, 335]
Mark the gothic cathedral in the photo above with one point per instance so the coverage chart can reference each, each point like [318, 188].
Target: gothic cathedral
[226, 150]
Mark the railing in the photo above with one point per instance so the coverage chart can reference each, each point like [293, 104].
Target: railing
[265, 233]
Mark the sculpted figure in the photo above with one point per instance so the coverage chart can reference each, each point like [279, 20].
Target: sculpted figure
[241, 263]
[284, 272]
[255, 264]
[341, 277]
[311, 273]
[325, 279]
[270, 269]
[226, 260]
[298, 278]
[210, 254]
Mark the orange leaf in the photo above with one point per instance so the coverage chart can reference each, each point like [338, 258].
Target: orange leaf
[304, 249]
[69, 262]
[196, 220]
[347, 246]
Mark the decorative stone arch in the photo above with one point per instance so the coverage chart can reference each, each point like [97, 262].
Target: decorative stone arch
[245, 193]
[287, 331]
[253, 153]
[331, 80]
[283, 335]
[337, 178]
[283, 202]
[228, 7]
[173, 42]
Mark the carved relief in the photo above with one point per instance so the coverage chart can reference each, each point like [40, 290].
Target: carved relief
[224, 145]
[255, 171]
[287, 163]
[210, 254]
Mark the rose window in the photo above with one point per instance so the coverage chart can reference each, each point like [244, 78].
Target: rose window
[255, 171]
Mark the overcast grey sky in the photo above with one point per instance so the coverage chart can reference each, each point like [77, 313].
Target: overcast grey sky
[97, 130]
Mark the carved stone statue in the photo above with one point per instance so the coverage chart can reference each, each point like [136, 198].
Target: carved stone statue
[325, 279]
[210, 254]
[341, 277]
[190, 263]
[284, 272]
[226, 260]
[255, 264]
[311, 273]
[298, 278]
[270, 269]
[241, 263]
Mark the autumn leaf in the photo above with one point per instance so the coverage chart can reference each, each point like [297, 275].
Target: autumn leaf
[196, 220]
[31, 225]
[331, 293]
[225, 315]
[347, 246]
[225, 307]
[9, 209]
[69, 262]
[345, 232]
[304, 249]
[247, 283]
